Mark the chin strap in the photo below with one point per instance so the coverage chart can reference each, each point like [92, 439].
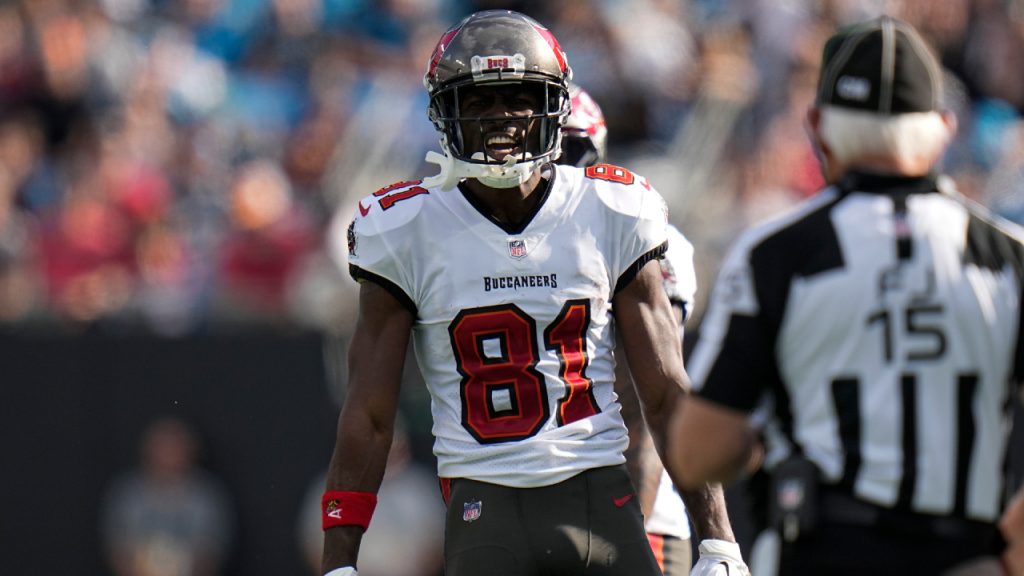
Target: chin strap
[507, 175]
[446, 179]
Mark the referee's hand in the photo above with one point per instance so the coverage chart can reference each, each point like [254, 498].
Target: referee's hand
[1012, 527]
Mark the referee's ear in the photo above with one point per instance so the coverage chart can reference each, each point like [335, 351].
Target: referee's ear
[820, 148]
[949, 117]
[813, 126]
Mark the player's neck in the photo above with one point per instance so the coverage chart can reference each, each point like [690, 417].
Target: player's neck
[509, 205]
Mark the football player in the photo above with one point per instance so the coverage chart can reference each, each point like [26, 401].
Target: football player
[584, 143]
[503, 269]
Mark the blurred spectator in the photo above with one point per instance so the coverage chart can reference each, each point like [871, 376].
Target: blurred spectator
[30, 173]
[409, 511]
[596, 47]
[783, 168]
[994, 44]
[661, 62]
[1005, 188]
[18, 281]
[169, 517]
[270, 235]
[86, 251]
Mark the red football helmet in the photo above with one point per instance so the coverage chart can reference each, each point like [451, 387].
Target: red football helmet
[584, 135]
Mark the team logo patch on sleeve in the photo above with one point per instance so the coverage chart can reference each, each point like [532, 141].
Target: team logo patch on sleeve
[471, 510]
[517, 248]
[352, 238]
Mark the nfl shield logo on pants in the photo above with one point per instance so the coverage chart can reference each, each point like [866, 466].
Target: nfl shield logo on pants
[471, 510]
[517, 248]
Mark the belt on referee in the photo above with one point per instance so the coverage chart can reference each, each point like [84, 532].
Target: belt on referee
[841, 508]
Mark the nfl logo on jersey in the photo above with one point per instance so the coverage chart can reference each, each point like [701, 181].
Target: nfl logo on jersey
[471, 510]
[517, 248]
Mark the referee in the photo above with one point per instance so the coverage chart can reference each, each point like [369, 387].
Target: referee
[881, 321]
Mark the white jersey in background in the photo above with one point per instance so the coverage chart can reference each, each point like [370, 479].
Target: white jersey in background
[513, 331]
[668, 515]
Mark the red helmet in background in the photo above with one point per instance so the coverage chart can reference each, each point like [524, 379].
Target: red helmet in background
[584, 135]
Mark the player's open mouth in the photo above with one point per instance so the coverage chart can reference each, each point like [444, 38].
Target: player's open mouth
[499, 146]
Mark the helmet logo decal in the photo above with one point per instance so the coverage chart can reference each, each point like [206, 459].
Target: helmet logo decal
[555, 46]
[442, 45]
[504, 66]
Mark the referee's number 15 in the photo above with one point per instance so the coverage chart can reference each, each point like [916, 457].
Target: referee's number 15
[921, 328]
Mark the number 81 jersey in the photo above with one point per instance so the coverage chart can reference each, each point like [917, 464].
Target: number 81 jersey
[513, 329]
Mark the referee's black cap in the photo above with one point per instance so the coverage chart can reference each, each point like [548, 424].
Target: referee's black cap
[881, 66]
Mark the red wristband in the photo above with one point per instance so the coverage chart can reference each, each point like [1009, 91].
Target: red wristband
[344, 508]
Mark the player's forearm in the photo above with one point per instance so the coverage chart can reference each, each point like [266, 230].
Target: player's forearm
[690, 469]
[361, 449]
[650, 478]
[693, 461]
[642, 461]
[644, 466]
[658, 412]
[357, 465]
[706, 506]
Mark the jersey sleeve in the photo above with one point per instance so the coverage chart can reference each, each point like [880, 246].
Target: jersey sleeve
[376, 240]
[1016, 236]
[1016, 241]
[638, 220]
[734, 358]
[680, 278]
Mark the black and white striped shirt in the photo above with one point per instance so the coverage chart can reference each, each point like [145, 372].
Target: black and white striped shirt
[884, 318]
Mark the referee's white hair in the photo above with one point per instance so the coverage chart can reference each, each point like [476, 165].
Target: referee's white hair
[855, 135]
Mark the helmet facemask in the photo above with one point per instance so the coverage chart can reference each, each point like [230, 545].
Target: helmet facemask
[536, 137]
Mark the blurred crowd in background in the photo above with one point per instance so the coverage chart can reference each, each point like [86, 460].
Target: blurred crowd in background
[175, 166]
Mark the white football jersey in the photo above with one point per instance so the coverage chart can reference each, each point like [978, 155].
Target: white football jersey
[513, 330]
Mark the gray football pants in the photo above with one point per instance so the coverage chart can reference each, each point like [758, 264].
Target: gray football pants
[588, 525]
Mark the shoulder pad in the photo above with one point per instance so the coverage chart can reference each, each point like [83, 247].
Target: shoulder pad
[624, 192]
[391, 207]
